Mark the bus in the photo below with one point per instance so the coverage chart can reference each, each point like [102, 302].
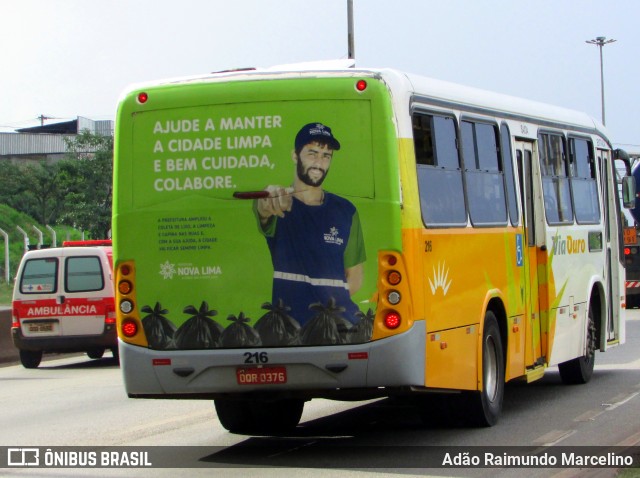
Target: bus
[292, 233]
[632, 244]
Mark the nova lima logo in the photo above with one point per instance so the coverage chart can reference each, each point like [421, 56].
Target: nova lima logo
[168, 270]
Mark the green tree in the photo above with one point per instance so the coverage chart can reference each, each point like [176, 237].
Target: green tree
[32, 189]
[86, 177]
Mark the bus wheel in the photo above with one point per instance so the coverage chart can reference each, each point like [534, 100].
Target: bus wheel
[234, 415]
[95, 353]
[579, 370]
[30, 358]
[259, 416]
[485, 406]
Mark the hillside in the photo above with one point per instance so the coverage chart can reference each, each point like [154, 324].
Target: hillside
[10, 219]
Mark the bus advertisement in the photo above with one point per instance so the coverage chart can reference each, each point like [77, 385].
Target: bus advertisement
[284, 235]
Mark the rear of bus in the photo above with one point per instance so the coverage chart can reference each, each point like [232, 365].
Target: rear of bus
[212, 303]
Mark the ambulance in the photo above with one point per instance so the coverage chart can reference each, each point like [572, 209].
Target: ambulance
[63, 301]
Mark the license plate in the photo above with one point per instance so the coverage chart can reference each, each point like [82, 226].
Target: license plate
[48, 327]
[261, 375]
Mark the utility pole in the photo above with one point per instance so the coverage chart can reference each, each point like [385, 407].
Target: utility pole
[350, 37]
[600, 42]
[42, 118]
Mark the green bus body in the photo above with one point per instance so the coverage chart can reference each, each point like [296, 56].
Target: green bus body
[197, 250]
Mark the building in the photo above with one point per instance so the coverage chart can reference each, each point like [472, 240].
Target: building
[47, 142]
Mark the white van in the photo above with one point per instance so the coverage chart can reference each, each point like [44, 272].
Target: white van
[63, 301]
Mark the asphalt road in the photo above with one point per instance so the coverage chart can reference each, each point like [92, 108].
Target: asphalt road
[76, 401]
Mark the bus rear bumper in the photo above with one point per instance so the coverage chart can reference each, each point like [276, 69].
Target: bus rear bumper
[395, 362]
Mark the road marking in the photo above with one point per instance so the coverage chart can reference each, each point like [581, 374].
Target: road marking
[619, 400]
[553, 437]
[633, 440]
[635, 365]
[589, 416]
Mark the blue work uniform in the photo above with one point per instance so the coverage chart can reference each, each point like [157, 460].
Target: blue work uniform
[311, 247]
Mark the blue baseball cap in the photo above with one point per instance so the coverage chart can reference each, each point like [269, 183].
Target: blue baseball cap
[316, 132]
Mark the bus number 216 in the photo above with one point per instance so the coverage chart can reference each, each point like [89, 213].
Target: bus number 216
[256, 357]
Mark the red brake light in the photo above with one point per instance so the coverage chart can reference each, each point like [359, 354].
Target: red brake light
[392, 320]
[129, 328]
[361, 85]
[143, 97]
[627, 251]
[125, 270]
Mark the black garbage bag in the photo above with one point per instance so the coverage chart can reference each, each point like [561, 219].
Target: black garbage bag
[277, 327]
[363, 330]
[158, 329]
[240, 333]
[200, 331]
[327, 327]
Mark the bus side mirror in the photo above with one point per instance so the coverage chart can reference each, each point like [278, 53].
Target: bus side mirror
[629, 192]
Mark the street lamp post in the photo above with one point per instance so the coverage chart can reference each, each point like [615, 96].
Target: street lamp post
[600, 42]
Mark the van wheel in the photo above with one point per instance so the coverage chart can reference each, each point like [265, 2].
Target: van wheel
[579, 370]
[30, 358]
[259, 416]
[95, 353]
[485, 406]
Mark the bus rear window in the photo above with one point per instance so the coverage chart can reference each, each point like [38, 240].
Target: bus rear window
[39, 276]
[83, 274]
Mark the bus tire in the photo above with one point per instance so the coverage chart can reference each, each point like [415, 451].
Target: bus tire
[485, 406]
[30, 358]
[580, 369]
[234, 415]
[259, 416]
[95, 353]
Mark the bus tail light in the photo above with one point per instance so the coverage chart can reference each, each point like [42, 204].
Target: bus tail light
[394, 297]
[126, 306]
[129, 328]
[392, 320]
[129, 323]
[394, 277]
[361, 85]
[125, 287]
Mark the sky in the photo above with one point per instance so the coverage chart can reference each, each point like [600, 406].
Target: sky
[69, 58]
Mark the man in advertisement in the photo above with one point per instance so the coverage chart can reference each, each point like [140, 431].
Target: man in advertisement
[314, 236]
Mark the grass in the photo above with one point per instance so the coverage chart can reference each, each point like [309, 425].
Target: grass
[6, 290]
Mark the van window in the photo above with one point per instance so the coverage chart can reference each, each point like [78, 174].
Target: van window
[83, 274]
[39, 276]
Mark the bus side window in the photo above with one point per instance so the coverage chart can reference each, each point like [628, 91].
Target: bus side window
[555, 179]
[583, 181]
[485, 181]
[509, 176]
[438, 170]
